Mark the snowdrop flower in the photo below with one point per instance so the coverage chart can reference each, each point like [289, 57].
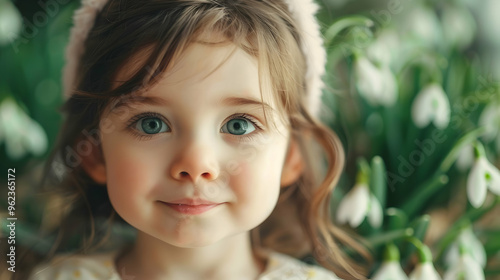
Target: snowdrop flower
[358, 204]
[377, 85]
[465, 157]
[390, 268]
[459, 26]
[10, 22]
[422, 25]
[466, 269]
[20, 133]
[424, 271]
[378, 52]
[431, 105]
[468, 241]
[489, 20]
[490, 118]
[483, 176]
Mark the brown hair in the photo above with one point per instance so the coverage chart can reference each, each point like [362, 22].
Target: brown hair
[264, 29]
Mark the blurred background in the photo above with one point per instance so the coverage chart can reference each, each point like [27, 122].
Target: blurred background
[412, 90]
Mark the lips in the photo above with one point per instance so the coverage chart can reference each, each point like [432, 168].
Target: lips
[191, 206]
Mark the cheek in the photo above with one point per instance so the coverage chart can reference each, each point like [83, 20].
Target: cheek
[130, 176]
[256, 185]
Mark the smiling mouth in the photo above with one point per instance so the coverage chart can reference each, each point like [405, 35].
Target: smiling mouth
[191, 209]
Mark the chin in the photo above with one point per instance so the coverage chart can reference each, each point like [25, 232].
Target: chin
[192, 243]
[199, 239]
[193, 239]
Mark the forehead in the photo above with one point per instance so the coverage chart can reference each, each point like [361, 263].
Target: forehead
[201, 63]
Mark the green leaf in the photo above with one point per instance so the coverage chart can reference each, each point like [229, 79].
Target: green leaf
[424, 192]
[378, 183]
[344, 23]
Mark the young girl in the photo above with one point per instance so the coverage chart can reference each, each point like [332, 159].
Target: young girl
[197, 120]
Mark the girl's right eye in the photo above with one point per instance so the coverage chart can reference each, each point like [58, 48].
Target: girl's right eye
[147, 125]
[151, 125]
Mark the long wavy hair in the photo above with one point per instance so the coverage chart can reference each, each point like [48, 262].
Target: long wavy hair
[301, 223]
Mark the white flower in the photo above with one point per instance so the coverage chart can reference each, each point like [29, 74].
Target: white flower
[422, 26]
[378, 51]
[465, 269]
[354, 206]
[489, 21]
[390, 270]
[467, 240]
[20, 132]
[10, 22]
[377, 85]
[357, 205]
[482, 176]
[490, 118]
[459, 26]
[424, 271]
[431, 105]
[465, 157]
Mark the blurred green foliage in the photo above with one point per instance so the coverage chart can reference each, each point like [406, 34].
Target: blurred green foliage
[31, 70]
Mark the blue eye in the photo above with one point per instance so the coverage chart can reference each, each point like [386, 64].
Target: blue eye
[238, 126]
[151, 125]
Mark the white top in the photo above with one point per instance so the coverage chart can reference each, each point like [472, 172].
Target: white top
[101, 266]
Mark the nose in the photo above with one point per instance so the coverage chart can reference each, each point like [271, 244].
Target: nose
[194, 163]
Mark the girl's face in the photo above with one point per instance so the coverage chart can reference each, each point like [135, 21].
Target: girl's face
[191, 161]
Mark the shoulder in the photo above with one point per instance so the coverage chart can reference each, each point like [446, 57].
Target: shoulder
[281, 266]
[96, 266]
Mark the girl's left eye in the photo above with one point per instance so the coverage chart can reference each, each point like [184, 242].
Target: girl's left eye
[151, 125]
[238, 126]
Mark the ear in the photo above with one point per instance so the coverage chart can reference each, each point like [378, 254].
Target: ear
[293, 166]
[94, 165]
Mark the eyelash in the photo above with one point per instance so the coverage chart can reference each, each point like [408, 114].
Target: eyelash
[144, 137]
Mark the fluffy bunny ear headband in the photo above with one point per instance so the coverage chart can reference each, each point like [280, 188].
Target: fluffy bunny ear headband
[303, 12]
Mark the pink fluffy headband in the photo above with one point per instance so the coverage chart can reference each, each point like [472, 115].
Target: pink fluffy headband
[303, 12]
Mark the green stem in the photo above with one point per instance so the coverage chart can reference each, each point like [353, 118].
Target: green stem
[363, 175]
[424, 253]
[453, 154]
[387, 237]
[479, 150]
[341, 24]
[419, 227]
[475, 214]
[391, 253]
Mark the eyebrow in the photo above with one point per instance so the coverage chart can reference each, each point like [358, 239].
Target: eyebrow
[240, 101]
[151, 100]
[130, 101]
